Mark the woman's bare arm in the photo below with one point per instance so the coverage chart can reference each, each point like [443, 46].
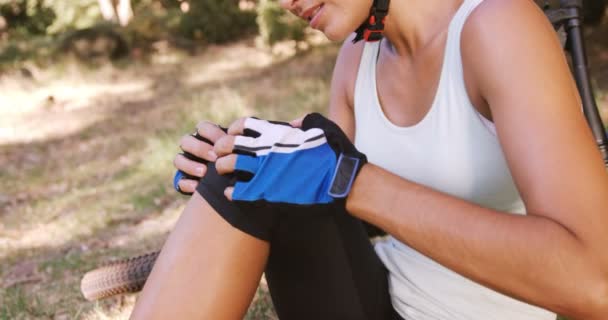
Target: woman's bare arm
[554, 257]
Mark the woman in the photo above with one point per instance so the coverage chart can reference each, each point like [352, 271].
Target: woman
[481, 168]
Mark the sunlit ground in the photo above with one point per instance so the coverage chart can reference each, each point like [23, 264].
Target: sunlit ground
[85, 158]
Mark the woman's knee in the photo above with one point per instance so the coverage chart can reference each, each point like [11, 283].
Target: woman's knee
[260, 225]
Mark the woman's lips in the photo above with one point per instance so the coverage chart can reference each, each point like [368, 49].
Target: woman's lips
[308, 14]
[315, 16]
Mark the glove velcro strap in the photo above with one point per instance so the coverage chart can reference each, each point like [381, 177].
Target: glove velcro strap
[347, 169]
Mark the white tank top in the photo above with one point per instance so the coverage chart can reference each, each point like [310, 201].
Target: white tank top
[455, 150]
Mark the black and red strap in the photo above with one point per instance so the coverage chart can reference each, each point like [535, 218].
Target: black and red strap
[372, 30]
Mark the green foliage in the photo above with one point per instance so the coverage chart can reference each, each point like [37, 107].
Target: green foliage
[206, 21]
[27, 16]
[276, 24]
[15, 304]
[41, 17]
[40, 30]
[215, 21]
[151, 22]
[15, 52]
[73, 14]
[99, 41]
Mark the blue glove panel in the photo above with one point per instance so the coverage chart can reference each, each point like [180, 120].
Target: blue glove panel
[287, 167]
[176, 178]
[298, 176]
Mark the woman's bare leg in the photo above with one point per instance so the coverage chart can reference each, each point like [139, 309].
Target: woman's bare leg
[206, 270]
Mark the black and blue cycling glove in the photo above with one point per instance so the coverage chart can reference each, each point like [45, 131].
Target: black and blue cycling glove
[312, 165]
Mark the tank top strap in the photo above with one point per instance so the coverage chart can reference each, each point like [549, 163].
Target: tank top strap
[366, 77]
[460, 106]
[370, 53]
[453, 54]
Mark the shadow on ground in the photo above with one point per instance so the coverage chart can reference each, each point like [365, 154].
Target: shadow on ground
[96, 186]
[86, 159]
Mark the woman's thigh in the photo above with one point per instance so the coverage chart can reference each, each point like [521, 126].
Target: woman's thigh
[321, 266]
[326, 268]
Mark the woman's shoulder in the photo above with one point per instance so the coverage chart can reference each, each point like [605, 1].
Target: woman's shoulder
[501, 36]
[499, 20]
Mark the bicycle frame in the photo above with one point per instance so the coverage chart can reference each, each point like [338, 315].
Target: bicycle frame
[569, 17]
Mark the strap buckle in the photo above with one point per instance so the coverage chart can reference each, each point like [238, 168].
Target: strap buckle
[373, 29]
[344, 176]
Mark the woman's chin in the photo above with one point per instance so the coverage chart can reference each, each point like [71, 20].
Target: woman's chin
[336, 35]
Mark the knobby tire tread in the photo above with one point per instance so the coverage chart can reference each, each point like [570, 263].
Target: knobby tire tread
[119, 277]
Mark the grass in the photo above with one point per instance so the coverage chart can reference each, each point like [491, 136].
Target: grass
[18, 305]
[86, 161]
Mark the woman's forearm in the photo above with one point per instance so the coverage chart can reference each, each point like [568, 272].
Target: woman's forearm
[532, 258]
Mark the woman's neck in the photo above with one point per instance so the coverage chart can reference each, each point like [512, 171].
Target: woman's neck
[412, 24]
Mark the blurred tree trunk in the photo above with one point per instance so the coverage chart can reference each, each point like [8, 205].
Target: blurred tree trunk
[125, 12]
[107, 10]
[116, 11]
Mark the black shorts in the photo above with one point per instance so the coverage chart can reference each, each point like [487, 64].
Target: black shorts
[320, 267]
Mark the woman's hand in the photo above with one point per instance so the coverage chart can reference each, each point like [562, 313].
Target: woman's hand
[198, 150]
[280, 164]
[224, 148]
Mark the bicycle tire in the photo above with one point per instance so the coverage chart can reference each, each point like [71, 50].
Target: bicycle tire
[119, 277]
